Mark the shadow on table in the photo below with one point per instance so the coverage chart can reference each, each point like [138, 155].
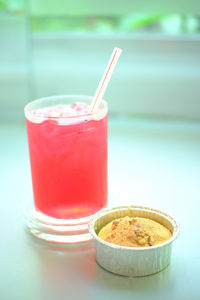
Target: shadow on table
[71, 260]
[119, 282]
[63, 267]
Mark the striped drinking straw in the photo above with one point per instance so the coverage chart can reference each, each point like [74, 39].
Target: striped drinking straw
[105, 80]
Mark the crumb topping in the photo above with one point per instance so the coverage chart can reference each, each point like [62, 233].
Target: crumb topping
[134, 232]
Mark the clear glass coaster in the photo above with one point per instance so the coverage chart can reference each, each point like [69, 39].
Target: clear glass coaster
[70, 231]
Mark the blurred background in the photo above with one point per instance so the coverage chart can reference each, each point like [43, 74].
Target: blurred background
[62, 47]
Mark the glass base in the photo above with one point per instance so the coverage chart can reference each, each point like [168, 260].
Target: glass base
[70, 231]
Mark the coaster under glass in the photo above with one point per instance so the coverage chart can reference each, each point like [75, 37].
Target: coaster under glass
[70, 231]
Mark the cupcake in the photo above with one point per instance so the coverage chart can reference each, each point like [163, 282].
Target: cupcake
[134, 232]
[133, 240]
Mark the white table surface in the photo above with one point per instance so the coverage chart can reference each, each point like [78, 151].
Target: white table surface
[151, 163]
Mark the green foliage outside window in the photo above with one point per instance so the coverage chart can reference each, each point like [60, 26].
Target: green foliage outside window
[133, 23]
[141, 23]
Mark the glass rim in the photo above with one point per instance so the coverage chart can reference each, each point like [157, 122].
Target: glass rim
[27, 109]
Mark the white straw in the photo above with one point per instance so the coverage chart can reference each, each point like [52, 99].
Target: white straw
[105, 79]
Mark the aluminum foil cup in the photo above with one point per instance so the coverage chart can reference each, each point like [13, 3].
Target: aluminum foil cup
[132, 261]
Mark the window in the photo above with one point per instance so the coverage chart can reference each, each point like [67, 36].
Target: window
[58, 47]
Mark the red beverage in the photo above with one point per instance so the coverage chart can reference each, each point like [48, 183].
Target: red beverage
[68, 154]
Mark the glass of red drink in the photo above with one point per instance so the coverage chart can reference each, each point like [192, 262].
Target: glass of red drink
[68, 157]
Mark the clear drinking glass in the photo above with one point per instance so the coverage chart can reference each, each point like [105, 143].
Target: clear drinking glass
[68, 157]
